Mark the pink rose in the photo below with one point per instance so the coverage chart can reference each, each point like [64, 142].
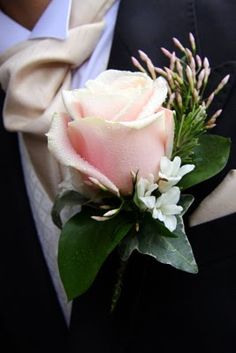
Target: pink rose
[117, 127]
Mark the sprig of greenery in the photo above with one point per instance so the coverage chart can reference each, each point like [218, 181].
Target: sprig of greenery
[187, 77]
[188, 128]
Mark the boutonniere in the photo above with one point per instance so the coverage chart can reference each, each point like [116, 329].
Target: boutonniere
[133, 143]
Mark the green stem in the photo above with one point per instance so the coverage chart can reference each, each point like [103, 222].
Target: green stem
[118, 285]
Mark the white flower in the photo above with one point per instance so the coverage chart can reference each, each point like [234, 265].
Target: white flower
[166, 208]
[171, 173]
[144, 189]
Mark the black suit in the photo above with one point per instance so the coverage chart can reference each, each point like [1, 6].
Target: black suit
[161, 309]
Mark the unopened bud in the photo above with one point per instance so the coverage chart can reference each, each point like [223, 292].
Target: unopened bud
[161, 72]
[199, 61]
[189, 75]
[212, 121]
[222, 84]
[200, 79]
[143, 56]
[206, 63]
[210, 99]
[178, 79]
[166, 52]
[192, 41]
[169, 77]
[225, 80]
[179, 68]
[179, 100]
[210, 126]
[193, 65]
[193, 68]
[137, 64]
[179, 45]
[172, 61]
[217, 114]
[189, 54]
[207, 74]
[149, 63]
[151, 68]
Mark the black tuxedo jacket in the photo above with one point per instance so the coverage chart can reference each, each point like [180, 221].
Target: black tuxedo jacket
[161, 309]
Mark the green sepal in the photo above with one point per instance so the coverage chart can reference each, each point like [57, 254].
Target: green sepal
[175, 251]
[209, 158]
[84, 246]
[67, 198]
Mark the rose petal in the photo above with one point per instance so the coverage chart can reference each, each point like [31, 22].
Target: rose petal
[82, 103]
[117, 78]
[60, 146]
[114, 95]
[156, 100]
[116, 149]
[170, 129]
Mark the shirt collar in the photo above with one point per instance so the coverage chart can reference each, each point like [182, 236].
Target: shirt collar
[53, 23]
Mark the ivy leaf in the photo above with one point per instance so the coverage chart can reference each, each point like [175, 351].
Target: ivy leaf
[83, 247]
[175, 251]
[210, 157]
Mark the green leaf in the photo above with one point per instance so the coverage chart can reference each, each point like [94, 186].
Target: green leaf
[68, 198]
[83, 247]
[210, 157]
[175, 251]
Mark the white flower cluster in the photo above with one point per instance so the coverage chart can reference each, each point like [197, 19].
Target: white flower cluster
[163, 207]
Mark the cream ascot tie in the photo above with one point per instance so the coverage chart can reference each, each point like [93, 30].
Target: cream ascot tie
[33, 74]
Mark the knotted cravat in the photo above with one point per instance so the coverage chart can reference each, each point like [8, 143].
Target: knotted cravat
[34, 73]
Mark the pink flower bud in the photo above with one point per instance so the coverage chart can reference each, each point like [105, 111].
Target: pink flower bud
[199, 61]
[143, 55]
[201, 78]
[210, 99]
[206, 63]
[179, 45]
[172, 61]
[217, 114]
[222, 84]
[179, 68]
[137, 64]
[190, 76]
[192, 41]
[166, 53]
